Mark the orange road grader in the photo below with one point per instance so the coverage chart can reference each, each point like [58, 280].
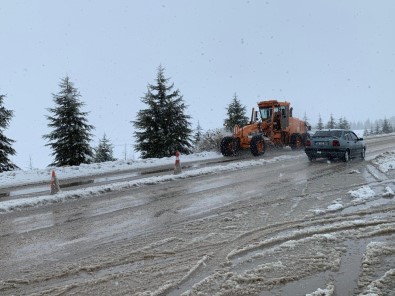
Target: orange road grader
[272, 124]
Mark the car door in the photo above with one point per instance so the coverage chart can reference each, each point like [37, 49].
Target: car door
[355, 144]
[350, 143]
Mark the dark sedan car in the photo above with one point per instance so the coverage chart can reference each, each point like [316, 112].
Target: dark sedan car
[335, 143]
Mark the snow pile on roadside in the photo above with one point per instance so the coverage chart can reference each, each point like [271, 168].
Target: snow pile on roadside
[375, 288]
[388, 192]
[377, 252]
[19, 177]
[385, 161]
[329, 291]
[334, 207]
[364, 192]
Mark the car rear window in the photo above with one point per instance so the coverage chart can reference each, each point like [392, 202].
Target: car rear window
[327, 134]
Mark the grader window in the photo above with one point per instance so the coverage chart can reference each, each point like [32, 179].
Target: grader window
[283, 111]
[266, 113]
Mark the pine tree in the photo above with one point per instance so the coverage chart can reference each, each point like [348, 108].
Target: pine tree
[391, 128]
[377, 130]
[198, 134]
[387, 128]
[346, 123]
[392, 122]
[331, 123]
[340, 123]
[6, 149]
[371, 130]
[162, 128]
[367, 124]
[104, 151]
[343, 123]
[320, 124]
[70, 137]
[236, 114]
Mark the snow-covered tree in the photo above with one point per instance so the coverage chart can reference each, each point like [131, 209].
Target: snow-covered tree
[236, 114]
[392, 122]
[6, 148]
[331, 123]
[343, 123]
[377, 130]
[104, 151]
[367, 124]
[164, 127]
[387, 128]
[211, 140]
[371, 130]
[71, 134]
[320, 124]
[198, 134]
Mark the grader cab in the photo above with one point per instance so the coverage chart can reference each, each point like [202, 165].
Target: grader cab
[272, 124]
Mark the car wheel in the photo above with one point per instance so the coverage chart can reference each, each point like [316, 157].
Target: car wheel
[311, 158]
[363, 153]
[346, 156]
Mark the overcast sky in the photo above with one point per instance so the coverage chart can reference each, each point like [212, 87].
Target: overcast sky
[323, 56]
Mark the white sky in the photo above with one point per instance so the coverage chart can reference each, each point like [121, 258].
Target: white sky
[322, 56]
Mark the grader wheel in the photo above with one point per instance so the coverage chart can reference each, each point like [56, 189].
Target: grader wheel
[229, 146]
[296, 142]
[257, 145]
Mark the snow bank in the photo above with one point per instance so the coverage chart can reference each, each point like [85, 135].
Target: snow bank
[385, 161]
[364, 192]
[376, 287]
[20, 177]
[388, 192]
[329, 291]
[334, 207]
[377, 252]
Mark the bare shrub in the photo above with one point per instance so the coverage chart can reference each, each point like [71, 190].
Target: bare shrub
[211, 140]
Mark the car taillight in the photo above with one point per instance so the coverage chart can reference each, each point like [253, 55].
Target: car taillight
[307, 143]
[335, 143]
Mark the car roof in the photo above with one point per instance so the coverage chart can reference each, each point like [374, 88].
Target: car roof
[332, 129]
[329, 132]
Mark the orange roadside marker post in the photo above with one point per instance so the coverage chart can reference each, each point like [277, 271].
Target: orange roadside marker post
[55, 187]
[177, 166]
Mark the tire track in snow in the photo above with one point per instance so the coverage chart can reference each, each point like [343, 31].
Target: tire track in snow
[240, 245]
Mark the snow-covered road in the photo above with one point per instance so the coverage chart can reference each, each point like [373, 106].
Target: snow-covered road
[276, 225]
